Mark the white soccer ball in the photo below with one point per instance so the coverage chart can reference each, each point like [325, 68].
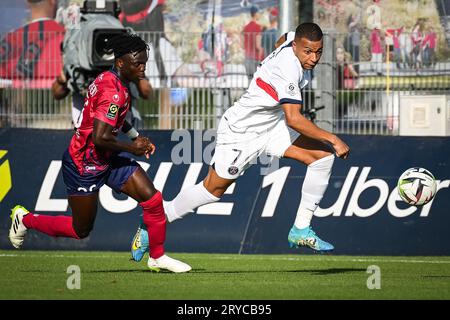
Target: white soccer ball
[416, 186]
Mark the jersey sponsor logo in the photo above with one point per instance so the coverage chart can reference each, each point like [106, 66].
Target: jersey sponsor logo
[112, 111]
[115, 98]
[90, 168]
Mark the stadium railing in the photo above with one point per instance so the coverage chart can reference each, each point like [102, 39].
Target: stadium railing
[196, 77]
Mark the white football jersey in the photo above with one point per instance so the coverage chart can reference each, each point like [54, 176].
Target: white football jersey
[278, 80]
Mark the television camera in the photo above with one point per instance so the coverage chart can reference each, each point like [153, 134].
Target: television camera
[86, 51]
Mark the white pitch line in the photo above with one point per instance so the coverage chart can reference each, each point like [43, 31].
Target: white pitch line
[304, 258]
[7, 255]
[337, 260]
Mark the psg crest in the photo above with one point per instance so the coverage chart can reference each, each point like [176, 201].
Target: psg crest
[233, 170]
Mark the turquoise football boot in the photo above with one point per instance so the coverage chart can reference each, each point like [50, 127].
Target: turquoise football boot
[307, 238]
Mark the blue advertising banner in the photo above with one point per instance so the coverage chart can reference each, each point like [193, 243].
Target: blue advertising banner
[361, 212]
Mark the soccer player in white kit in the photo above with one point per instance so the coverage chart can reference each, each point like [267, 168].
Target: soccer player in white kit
[267, 118]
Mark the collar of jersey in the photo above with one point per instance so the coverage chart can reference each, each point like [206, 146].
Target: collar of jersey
[113, 70]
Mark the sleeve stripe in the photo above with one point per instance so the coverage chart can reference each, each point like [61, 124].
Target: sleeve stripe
[291, 101]
[267, 88]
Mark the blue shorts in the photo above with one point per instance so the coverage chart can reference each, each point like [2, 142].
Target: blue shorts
[115, 176]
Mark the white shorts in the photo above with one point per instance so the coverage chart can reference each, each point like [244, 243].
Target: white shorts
[235, 152]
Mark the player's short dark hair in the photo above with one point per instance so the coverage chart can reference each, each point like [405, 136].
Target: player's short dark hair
[310, 31]
[127, 43]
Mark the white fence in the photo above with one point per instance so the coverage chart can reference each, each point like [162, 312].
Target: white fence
[192, 88]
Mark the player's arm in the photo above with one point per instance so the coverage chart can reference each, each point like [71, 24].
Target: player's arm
[104, 138]
[129, 130]
[133, 134]
[284, 37]
[280, 40]
[59, 87]
[299, 123]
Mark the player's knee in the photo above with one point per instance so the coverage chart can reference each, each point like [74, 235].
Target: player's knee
[148, 192]
[325, 162]
[325, 155]
[214, 188]
[217, 191]
[215, 185]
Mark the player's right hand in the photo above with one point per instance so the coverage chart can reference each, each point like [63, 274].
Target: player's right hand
[143, 146]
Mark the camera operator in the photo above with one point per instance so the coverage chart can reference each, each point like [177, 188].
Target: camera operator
[140, 88]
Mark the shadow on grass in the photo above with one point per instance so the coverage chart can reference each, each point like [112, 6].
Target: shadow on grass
[312, 271]
[319, 272]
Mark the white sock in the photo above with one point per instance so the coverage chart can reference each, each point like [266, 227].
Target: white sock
[313, 189]
[187, 200]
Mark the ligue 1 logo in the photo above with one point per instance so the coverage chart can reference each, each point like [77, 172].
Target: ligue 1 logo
[290, 89]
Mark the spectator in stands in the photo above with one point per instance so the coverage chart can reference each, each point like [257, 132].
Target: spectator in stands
[376, 48]
[252, 42]
[389, 44]
[397, 47]
[429, 47]
[352, 41]
[373, 15]
[31, 54]
[346, 72]
[33, 50]
[416, 38]
[270, 35]
[405, 47]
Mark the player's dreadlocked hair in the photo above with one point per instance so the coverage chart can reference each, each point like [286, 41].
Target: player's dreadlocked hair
[127, 43]
[310, 31]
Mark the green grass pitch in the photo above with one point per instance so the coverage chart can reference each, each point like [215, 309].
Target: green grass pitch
[111, 275]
